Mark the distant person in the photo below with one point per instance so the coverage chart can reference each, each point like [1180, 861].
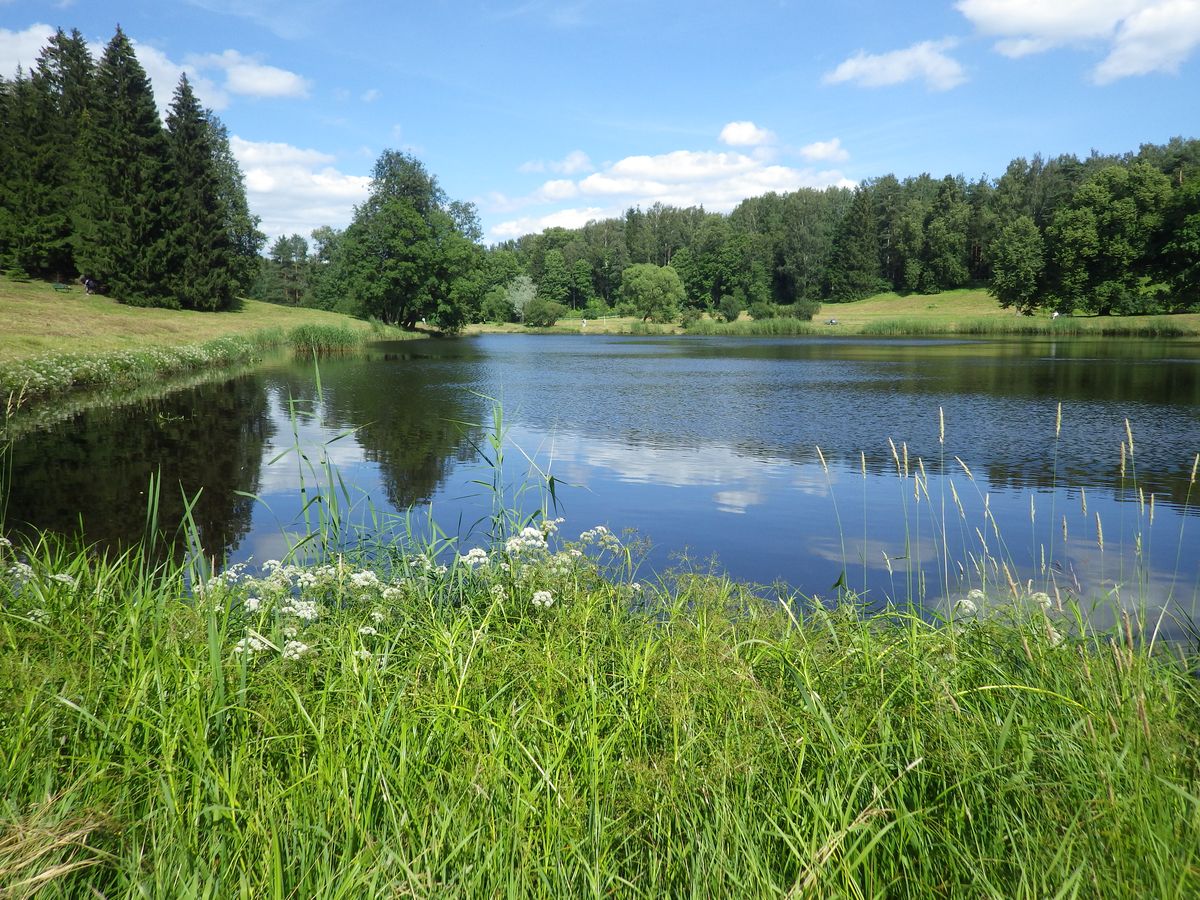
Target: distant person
[89, 286]
[583, 324]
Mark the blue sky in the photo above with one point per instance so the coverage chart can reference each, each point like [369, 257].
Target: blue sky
[545, 112]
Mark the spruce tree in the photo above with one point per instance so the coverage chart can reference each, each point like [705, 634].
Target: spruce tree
[199, 255]
[123, 233]
[241, 225]
[854, 269]
[63, 85]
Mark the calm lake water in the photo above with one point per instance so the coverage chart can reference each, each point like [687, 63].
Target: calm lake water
[707, 447]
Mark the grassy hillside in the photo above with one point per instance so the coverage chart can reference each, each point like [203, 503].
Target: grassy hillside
[968, 311]
[37, 320]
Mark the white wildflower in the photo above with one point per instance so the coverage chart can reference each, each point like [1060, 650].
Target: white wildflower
[271, 564]
[1053, 636]
[252, 643]
[550, 526]
[1041, 598]
[498, 593]
[5, 542]
[377, 617]
[367, 631]
[21, 572]
[966, 606]
[475, 557]
[391, 594]
[363, 654]
[635, 587]
[543, 598]
[365, 579]
[39, 615]
[63, 578]
[295, 649]
[252, 604]
[301, 609]
[290, 632]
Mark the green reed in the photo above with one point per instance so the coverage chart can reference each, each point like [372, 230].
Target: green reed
[779, 326]
[521, 717]
[316, 340]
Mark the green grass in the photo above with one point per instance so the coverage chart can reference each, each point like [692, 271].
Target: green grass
[439, 734]
[1068, 326]
[59, 344]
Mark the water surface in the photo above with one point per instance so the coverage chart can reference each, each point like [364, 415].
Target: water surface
[708, 447]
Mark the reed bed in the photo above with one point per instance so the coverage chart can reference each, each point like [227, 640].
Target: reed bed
[768, 327]
[317, 340]
[1064, 326]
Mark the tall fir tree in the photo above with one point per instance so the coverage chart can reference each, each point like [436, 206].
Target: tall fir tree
[854, 269]
[63, 85]
[241, 225]
[200, 257]
[123, 229]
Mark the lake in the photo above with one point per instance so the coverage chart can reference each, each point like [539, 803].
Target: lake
[707, 447]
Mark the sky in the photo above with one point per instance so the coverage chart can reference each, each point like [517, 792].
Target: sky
[554, 112]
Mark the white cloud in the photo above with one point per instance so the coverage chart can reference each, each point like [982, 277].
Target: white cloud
[295, 189]
[718, 181]
[21, 48]
[1155, 39]
[164, 76]
[825, 151]
[572, 164]
[925, 61]
[1141, 36]
[745, 134]
[246, 76]
[563, 218]
[371, 96]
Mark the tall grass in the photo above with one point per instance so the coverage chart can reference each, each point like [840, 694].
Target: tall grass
[1065, 326]
[524, 718]
[317, 340]
[779, 326]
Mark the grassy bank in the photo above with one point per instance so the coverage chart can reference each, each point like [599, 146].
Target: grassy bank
[53, 342]
[962, 312]
[529, 721]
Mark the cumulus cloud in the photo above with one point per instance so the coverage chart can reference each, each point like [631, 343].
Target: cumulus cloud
[21, 48]
[716, 180]
[164, 76]
[572, 164]
[295, 189]
[1158, 38]
[745, 134]
[246, 76]
[925, 61]
[825, 151]
[371, 95]
[1141, 36]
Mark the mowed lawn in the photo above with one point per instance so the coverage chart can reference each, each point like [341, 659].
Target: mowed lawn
[37, 320]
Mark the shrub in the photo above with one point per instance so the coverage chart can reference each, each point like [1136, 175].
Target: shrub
[761, 310]
[543, 313]
[729, 308]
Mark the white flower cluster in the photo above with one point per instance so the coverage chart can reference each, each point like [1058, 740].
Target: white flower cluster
[252, 604]
[21, 572]
[365, 579]
[251, 644]
[543, 599]
[39, 615]
[969, 605]
[295, 649]
[475, 558]
[427, 567]
[530, 540]
[5, 543]
[550, 526]
[600, 536]
[307, 610]
[367, 631]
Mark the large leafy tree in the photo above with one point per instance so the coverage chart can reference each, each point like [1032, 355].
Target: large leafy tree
[123, 233]
[199, 253]
[408, 255]
[1018, 260]
[1099, 241]
[655, 292]
[1177, 250]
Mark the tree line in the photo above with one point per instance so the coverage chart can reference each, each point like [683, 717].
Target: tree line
[94, 187]
[1107, 234]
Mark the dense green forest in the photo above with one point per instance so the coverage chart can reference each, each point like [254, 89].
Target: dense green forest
[93, 185]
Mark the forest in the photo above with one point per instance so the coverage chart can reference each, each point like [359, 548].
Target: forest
[93, 186]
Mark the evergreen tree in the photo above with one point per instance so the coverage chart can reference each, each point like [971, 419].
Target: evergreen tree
[241, 225]
[854, 267]
[199, 256]
[18, 129]
[63, 84]
[123, 235]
